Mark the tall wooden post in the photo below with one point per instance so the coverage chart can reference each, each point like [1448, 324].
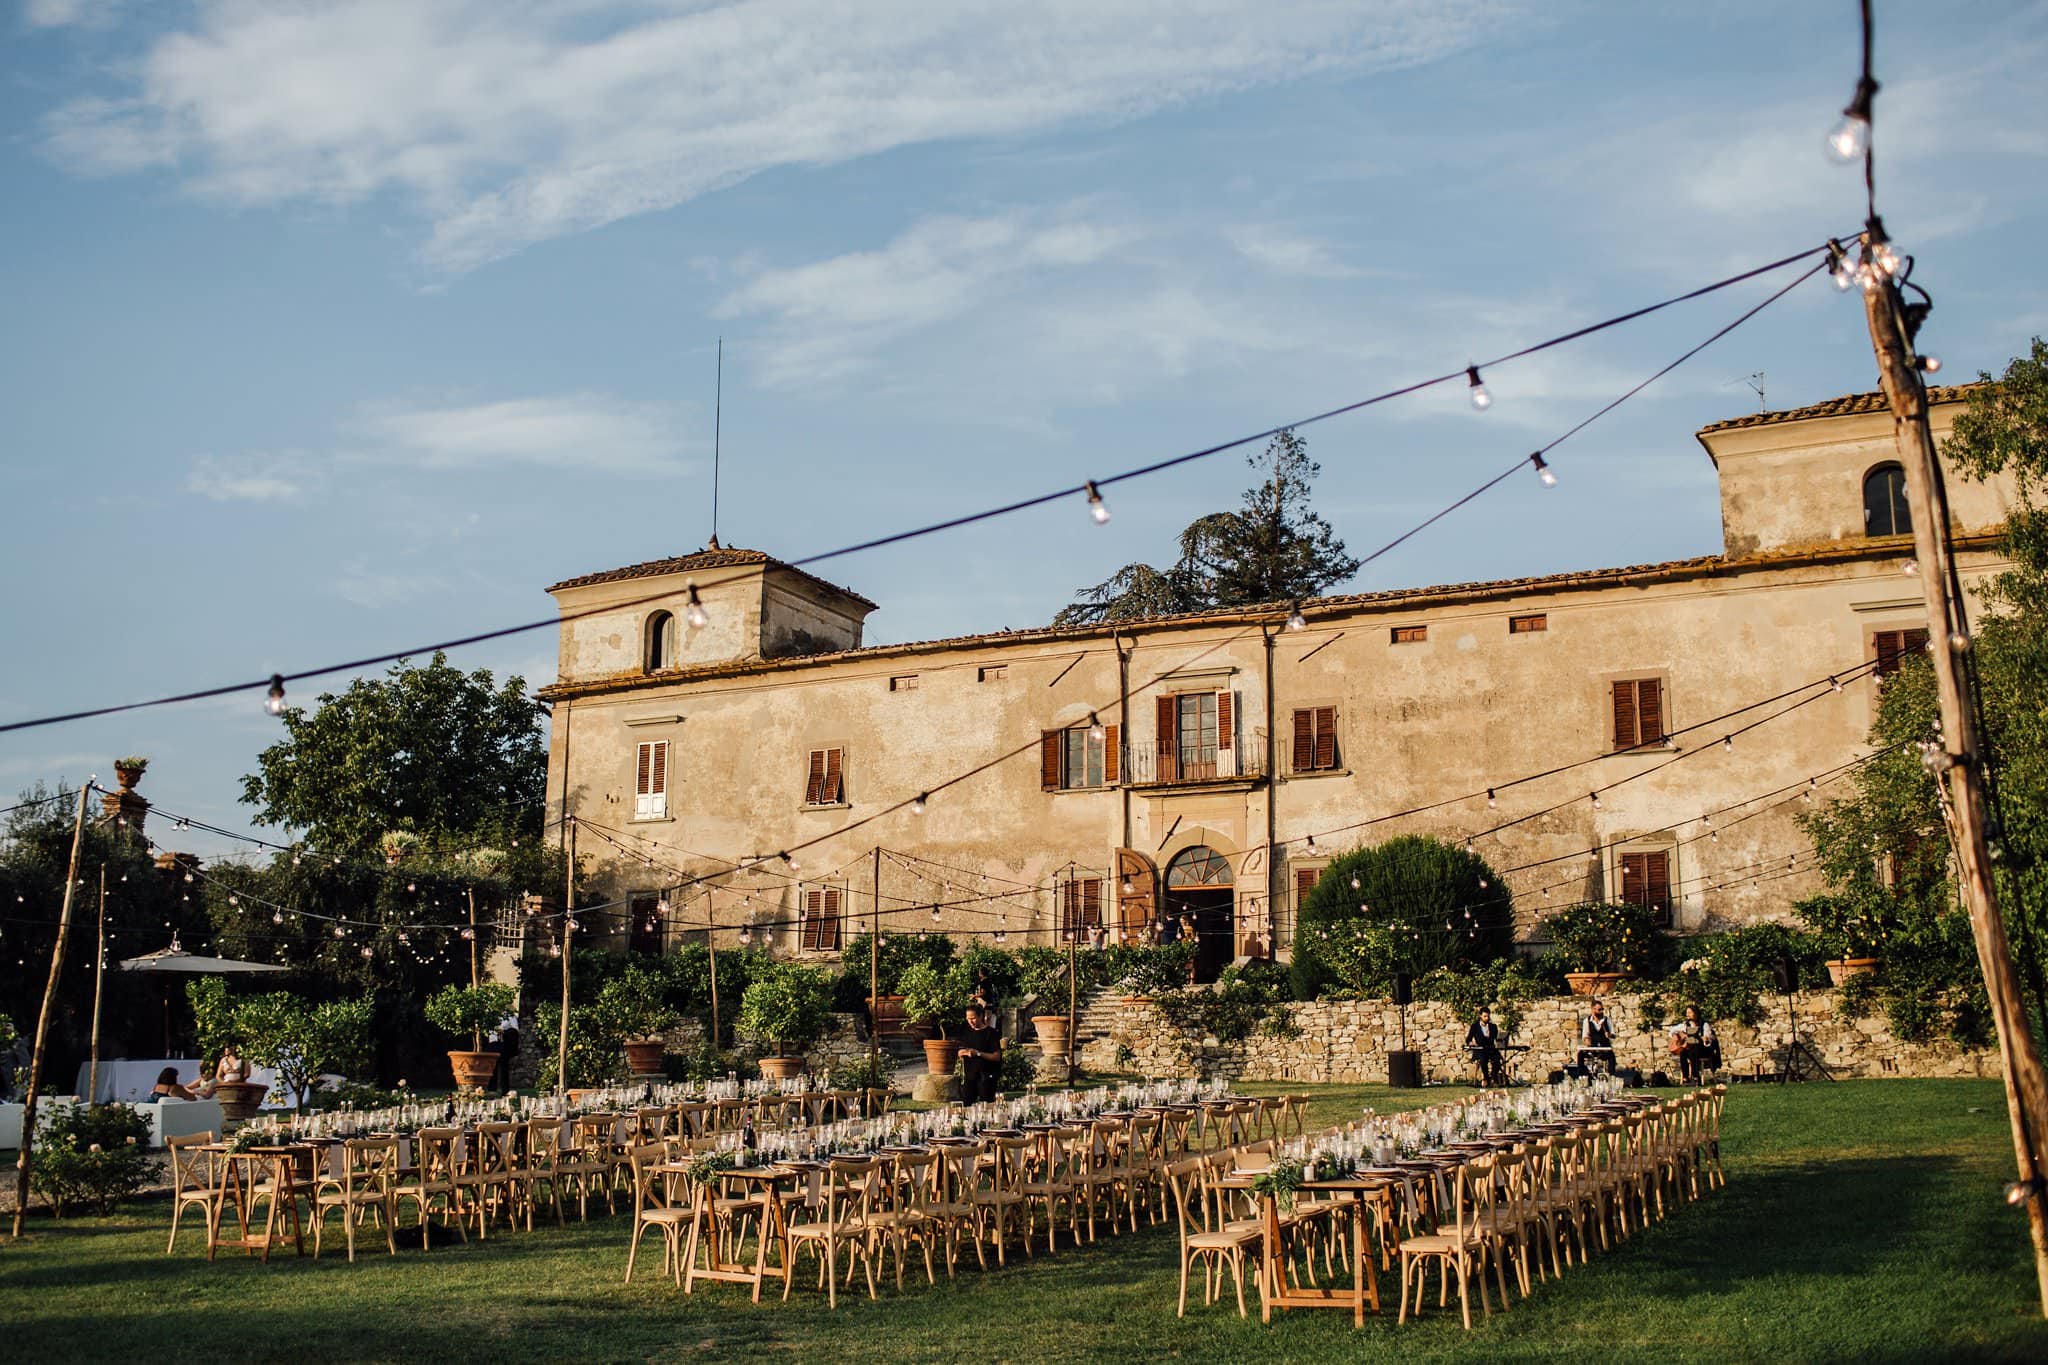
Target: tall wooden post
[476, 1043]
[875, 971]
[1959, 761]
[99, 975]
[35, 1064]
[568, 938]
[711, 948]
[1073, 996]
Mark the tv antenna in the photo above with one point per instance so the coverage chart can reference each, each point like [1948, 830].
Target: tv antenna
[1756, 382]
[717, 425]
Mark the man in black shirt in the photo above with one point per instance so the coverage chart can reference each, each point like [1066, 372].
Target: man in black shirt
[981, 1052]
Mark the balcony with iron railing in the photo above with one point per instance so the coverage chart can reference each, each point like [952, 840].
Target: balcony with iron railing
[1171, 763]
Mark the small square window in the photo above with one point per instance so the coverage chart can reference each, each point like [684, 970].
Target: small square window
[992, 672]
[1410, 635]
[1528, 625]
[903, 682]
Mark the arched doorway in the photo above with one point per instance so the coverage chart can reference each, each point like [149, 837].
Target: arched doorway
[1199, 895]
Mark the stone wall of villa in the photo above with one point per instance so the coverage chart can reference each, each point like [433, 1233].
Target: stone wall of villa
[1348, 1041]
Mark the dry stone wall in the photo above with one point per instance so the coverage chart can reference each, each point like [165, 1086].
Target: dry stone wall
[1348, 1041]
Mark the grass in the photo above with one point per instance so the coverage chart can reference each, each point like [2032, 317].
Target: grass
[1862, 1220]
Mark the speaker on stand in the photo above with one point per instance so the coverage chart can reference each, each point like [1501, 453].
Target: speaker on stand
[1404, 1066]
[1798, 1056]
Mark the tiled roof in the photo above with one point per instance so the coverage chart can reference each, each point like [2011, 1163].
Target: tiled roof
[1846, 406]
[720, 558]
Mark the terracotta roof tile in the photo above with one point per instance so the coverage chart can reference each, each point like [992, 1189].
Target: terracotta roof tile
[1846, 406]
[721, 558]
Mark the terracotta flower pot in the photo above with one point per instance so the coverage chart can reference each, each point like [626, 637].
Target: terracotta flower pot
[1052, 1033]
[940, 1054]
[1592, 983]
[643, 1056]
[240, 1099]
[781, 1068]
[1840, 969]
[473, 1070]
[888, 1016]
[127, 777]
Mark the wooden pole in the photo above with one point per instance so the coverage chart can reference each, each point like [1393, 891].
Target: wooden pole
[35, 1064]
[568, 936]
[1073, 996]
[99, 974]
[711, 947]
[475, 974]
[1959, 761]
[875, 971]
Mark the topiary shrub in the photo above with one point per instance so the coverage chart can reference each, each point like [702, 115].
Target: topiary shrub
[1410, 905]
[92, 1156]
[789, 1007]
[1607, 936]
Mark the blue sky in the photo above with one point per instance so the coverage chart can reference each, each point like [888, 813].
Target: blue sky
[340, 327]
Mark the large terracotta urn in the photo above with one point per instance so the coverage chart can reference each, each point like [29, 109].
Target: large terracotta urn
[782, 1068]
[1052, 1033]
[240, 1099]
[1840, 969]
[643, 1056]
[473, 1070]
[1592, 983]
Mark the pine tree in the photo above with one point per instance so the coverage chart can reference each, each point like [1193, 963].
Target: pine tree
[1274, 549]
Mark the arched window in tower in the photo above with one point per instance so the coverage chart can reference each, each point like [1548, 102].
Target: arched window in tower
[661, 642]
[1884, 502]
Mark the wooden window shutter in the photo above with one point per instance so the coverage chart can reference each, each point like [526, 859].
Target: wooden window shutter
[1893, 646]
[645, 770]
[814, 785]
[828, 931]
[1624, 714]
[659, 786]
[1649, 710]
[1070, 903]
[1091, 902]
[1634, 875]
[1305, 879]
[1657, 883]
[1169, 738]
[835, 778]
[1304, 740]
[1225, 731]
[1049, 758]
[1326, 737]
[814, 910]
[1112, 754]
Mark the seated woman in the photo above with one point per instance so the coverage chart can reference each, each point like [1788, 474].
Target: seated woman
[1699, 1048]
[1482, 1040]
[230, 1068]
[167, 1087]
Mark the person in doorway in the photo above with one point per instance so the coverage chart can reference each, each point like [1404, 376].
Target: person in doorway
[981, 1053]
[1482, 1040]
[1596, 1039]
[1699, 1048]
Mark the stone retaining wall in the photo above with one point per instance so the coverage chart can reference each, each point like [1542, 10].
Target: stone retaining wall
[1348, 1040]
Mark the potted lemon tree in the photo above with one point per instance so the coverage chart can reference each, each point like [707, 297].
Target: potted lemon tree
[938, 998]
[789, 1007]
[465, 1012]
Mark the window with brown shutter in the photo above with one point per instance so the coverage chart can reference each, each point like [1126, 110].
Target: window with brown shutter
[825, 781]
[1646, 881]
[1073, 759]
[1080, 905]
[1169, 738]
[821, 919]
[1528, 625]
[1305, 879]
[1893, 646]
[1410, 635]
[1638, 712]
[1315, 739]
[650, 781]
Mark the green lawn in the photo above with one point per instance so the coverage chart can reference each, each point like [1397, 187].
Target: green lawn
[1862, 1220]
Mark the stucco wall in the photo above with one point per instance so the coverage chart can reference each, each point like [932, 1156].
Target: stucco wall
[1348, 1041]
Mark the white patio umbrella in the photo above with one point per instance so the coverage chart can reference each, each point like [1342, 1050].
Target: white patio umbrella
[174, 960]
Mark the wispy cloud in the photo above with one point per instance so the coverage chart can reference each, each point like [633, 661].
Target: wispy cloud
[508, 124]
[255, 477]
[71, 13]
[1287, 253]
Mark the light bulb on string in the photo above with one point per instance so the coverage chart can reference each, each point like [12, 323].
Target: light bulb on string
[273, 701]
[935, 913]
[694, 613]
[1311, 843]
[366, 952]
[469, 934]
[1596, 799]
[277, 917]
[1927, 364]
[1727, 744]
[1492, 801]
[1097, 731]
[1295, 620]
[1910, 568]
[917, 803]
[1097, 508]
[1850, 139]
[1475, 389]
[1544, 472]
[1356, 884]
[340, 931]
[1841, 269]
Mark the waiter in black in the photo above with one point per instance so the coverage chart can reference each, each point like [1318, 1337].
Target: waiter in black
[981, 1053]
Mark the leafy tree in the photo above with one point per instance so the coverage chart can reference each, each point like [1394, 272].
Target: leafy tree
[1410, 905]
[1274, 549]
[429, 750]
[2004, 429]
[300, 1041]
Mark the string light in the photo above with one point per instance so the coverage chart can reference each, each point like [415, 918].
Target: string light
[1841, 269]
[1097, 508]
[1492, 801]
[1910, 568]
[1727, 744]
[1927, 364]
[694, 613]
[1097, 731]
[1295, 620]
[1476, 389]
[1311, 843]
[1596, 799]
[935, 912]
[273, 701]
[277, 917]
[1850, 139]
[1834, 683]
[1544, 472]
[917, 803]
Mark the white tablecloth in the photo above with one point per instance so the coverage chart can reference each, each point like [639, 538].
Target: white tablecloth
[132, 1079]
